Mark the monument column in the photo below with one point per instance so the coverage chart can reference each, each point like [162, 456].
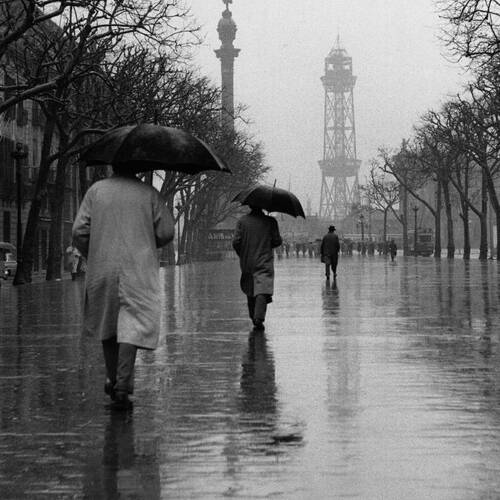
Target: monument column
[227, 53]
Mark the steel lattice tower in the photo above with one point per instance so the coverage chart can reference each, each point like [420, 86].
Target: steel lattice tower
[339, 166]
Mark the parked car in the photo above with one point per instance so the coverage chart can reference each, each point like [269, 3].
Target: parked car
[10, 264]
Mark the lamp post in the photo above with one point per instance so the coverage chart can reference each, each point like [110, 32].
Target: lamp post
[362, 223]
[178, 207]
[415, 210]
[18, 155]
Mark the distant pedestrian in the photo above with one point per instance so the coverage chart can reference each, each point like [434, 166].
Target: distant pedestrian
[286, 246]
[74, 261]
[119, 226]
[330, 247]
[255, 237]
[393, 249]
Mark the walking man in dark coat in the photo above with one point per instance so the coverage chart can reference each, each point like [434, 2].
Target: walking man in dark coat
[393, 249]
[330, 247]
[255, 237]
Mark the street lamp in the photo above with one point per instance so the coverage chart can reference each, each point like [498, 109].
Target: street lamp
[178, 207]
[415, 210]
[18, 155]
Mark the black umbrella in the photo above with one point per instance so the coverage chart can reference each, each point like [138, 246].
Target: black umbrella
[9, 247]
[147, 147]
[272, 199]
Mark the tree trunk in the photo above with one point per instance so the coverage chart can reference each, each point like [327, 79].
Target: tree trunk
[82, 179]
[449, 221]
[494, 203]
[406, 250]
[56, 247]
[437, 222]
[385, 226]
[483, 245]
[465, 220]
[25, 267]
[497, 218]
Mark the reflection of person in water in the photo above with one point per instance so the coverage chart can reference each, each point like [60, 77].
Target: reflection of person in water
[258, 385]
[331, 299]
[122, 471]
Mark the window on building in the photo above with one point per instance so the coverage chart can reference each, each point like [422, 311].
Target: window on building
[36, 255]
[21, 115]
[10, 113]
[6, 226]
[6, 162]
[37, 117]
[44, 248]
[36, 158]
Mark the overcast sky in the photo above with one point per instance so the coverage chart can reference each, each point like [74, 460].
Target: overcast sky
[397, 57]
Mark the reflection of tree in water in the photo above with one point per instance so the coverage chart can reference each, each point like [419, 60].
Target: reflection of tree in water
[128, 466]
[453, 326]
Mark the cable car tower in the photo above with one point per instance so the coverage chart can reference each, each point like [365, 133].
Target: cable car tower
[339, 166]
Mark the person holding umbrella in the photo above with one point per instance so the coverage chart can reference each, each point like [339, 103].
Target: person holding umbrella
[330, 247]
[255, 238]
[119, 226]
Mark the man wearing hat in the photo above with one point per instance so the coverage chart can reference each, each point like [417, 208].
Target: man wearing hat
[330, 247]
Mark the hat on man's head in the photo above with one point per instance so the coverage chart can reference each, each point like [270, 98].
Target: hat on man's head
[331, 228]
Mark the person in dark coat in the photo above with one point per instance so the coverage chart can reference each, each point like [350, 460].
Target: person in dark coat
[330, 247]
[255, 237]
[393, 249]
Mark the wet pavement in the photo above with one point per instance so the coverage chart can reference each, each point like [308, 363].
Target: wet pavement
[386, 386]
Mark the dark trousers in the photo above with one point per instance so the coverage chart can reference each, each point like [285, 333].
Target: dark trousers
[257, 307]
[119, 359]
[331, 261]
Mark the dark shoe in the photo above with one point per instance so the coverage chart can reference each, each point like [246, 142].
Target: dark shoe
[121, 402]
[258, 325]
[109, 389]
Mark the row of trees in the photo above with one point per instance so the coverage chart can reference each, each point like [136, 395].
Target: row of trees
[93, 65]
[452, 161]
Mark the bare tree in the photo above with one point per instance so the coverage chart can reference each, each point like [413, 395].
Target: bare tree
[407, 168]
[450, 128]
[472, 28]
[383, 194]
[51, 60]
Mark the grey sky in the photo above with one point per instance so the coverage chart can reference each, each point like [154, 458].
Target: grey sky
[397, 58]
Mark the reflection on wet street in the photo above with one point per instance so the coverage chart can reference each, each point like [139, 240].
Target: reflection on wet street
[385, 385]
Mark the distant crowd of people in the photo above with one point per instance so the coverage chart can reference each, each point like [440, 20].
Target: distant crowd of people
[347, 247]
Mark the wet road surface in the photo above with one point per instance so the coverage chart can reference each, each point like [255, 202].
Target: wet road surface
[386, 386]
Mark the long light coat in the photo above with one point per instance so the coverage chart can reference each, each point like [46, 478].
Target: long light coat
[255, 237]
[119, 226]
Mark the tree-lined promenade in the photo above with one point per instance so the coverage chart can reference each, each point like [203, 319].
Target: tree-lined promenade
[91, 66]
[450, 165]
[81, 68]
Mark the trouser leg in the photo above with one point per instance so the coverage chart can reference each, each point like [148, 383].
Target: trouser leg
[334, 266]
[110, 348]
[251, 306]
[125, 370]
[260, 308]
[327, 270]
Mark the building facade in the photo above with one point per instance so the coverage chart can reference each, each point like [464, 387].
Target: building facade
[24, 124]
